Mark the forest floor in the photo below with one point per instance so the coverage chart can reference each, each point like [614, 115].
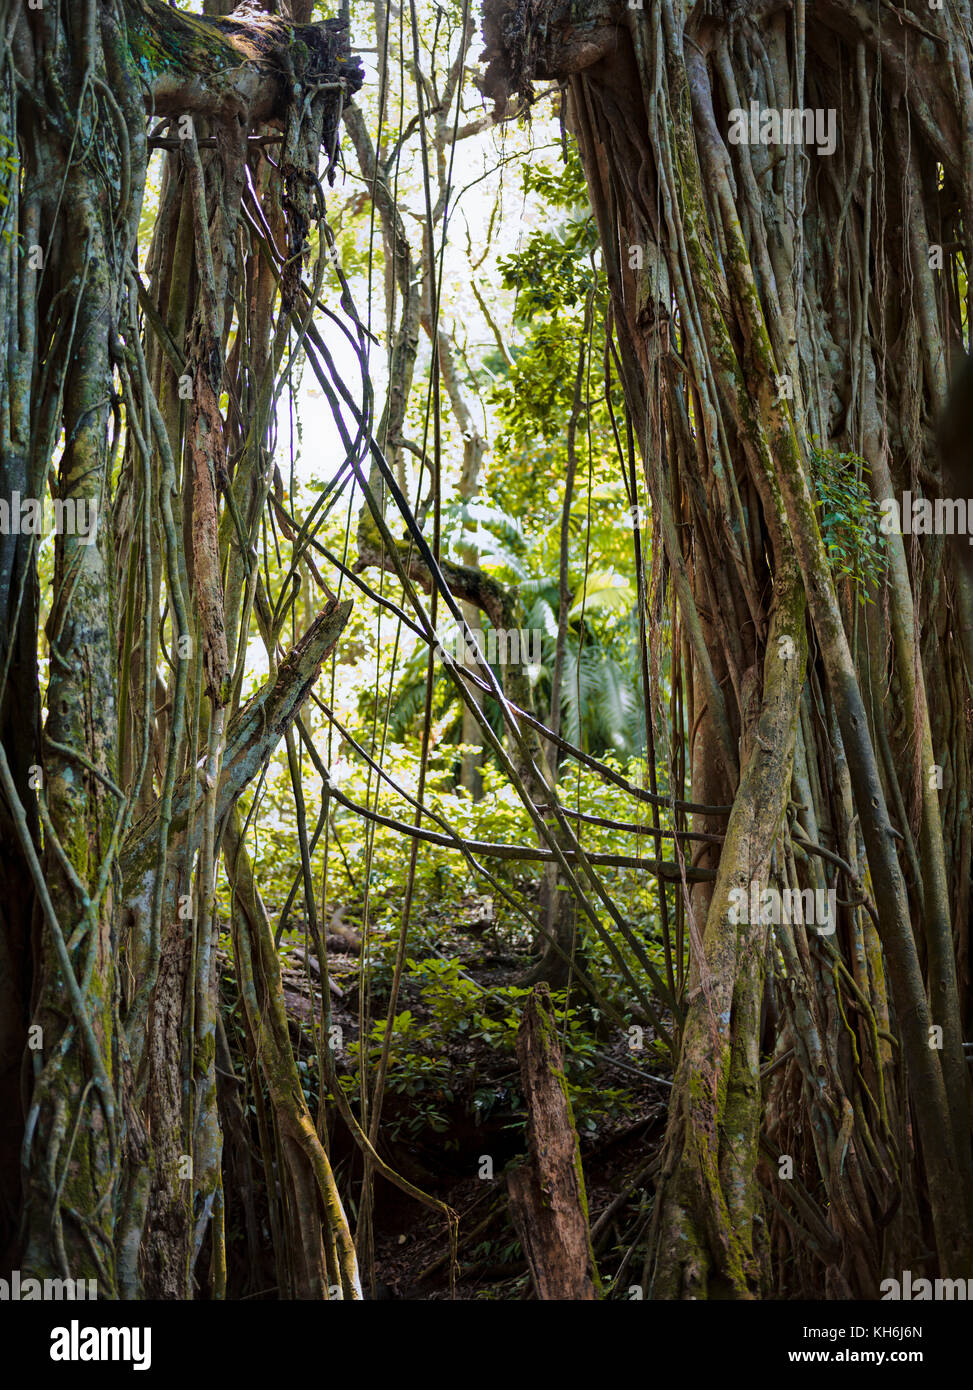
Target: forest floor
[453, 1122]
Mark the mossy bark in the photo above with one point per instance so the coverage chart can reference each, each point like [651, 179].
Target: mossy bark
[547, 1194]
[125, 983]
[753, 343]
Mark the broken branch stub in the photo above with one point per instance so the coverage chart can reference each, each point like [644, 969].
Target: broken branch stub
[547, 1193]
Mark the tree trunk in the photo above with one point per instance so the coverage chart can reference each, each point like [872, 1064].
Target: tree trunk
[776, 315]
[547, 1194]
[121, 1142]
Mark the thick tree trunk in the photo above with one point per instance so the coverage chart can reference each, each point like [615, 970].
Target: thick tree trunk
[121, 1143]
[732, 267]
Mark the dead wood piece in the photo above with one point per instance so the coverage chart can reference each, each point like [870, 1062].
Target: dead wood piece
[547, 1193]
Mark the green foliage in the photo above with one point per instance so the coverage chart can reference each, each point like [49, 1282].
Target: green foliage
[848, 518]
[535, 398]
[415, 1071]
[601, 701]
[551, 273]
[9, 165]
[454, 1012]
[454, 1033]
[562, 187]
[552, 270]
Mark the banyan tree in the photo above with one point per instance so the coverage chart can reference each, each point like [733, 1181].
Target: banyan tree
[784, 197]
[149, 394]
[783, 194]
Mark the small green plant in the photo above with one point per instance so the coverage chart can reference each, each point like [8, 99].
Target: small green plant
[415, 1071]
[8, 173]
[848, 516]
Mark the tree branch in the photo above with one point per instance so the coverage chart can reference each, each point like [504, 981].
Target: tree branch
[204, 65]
